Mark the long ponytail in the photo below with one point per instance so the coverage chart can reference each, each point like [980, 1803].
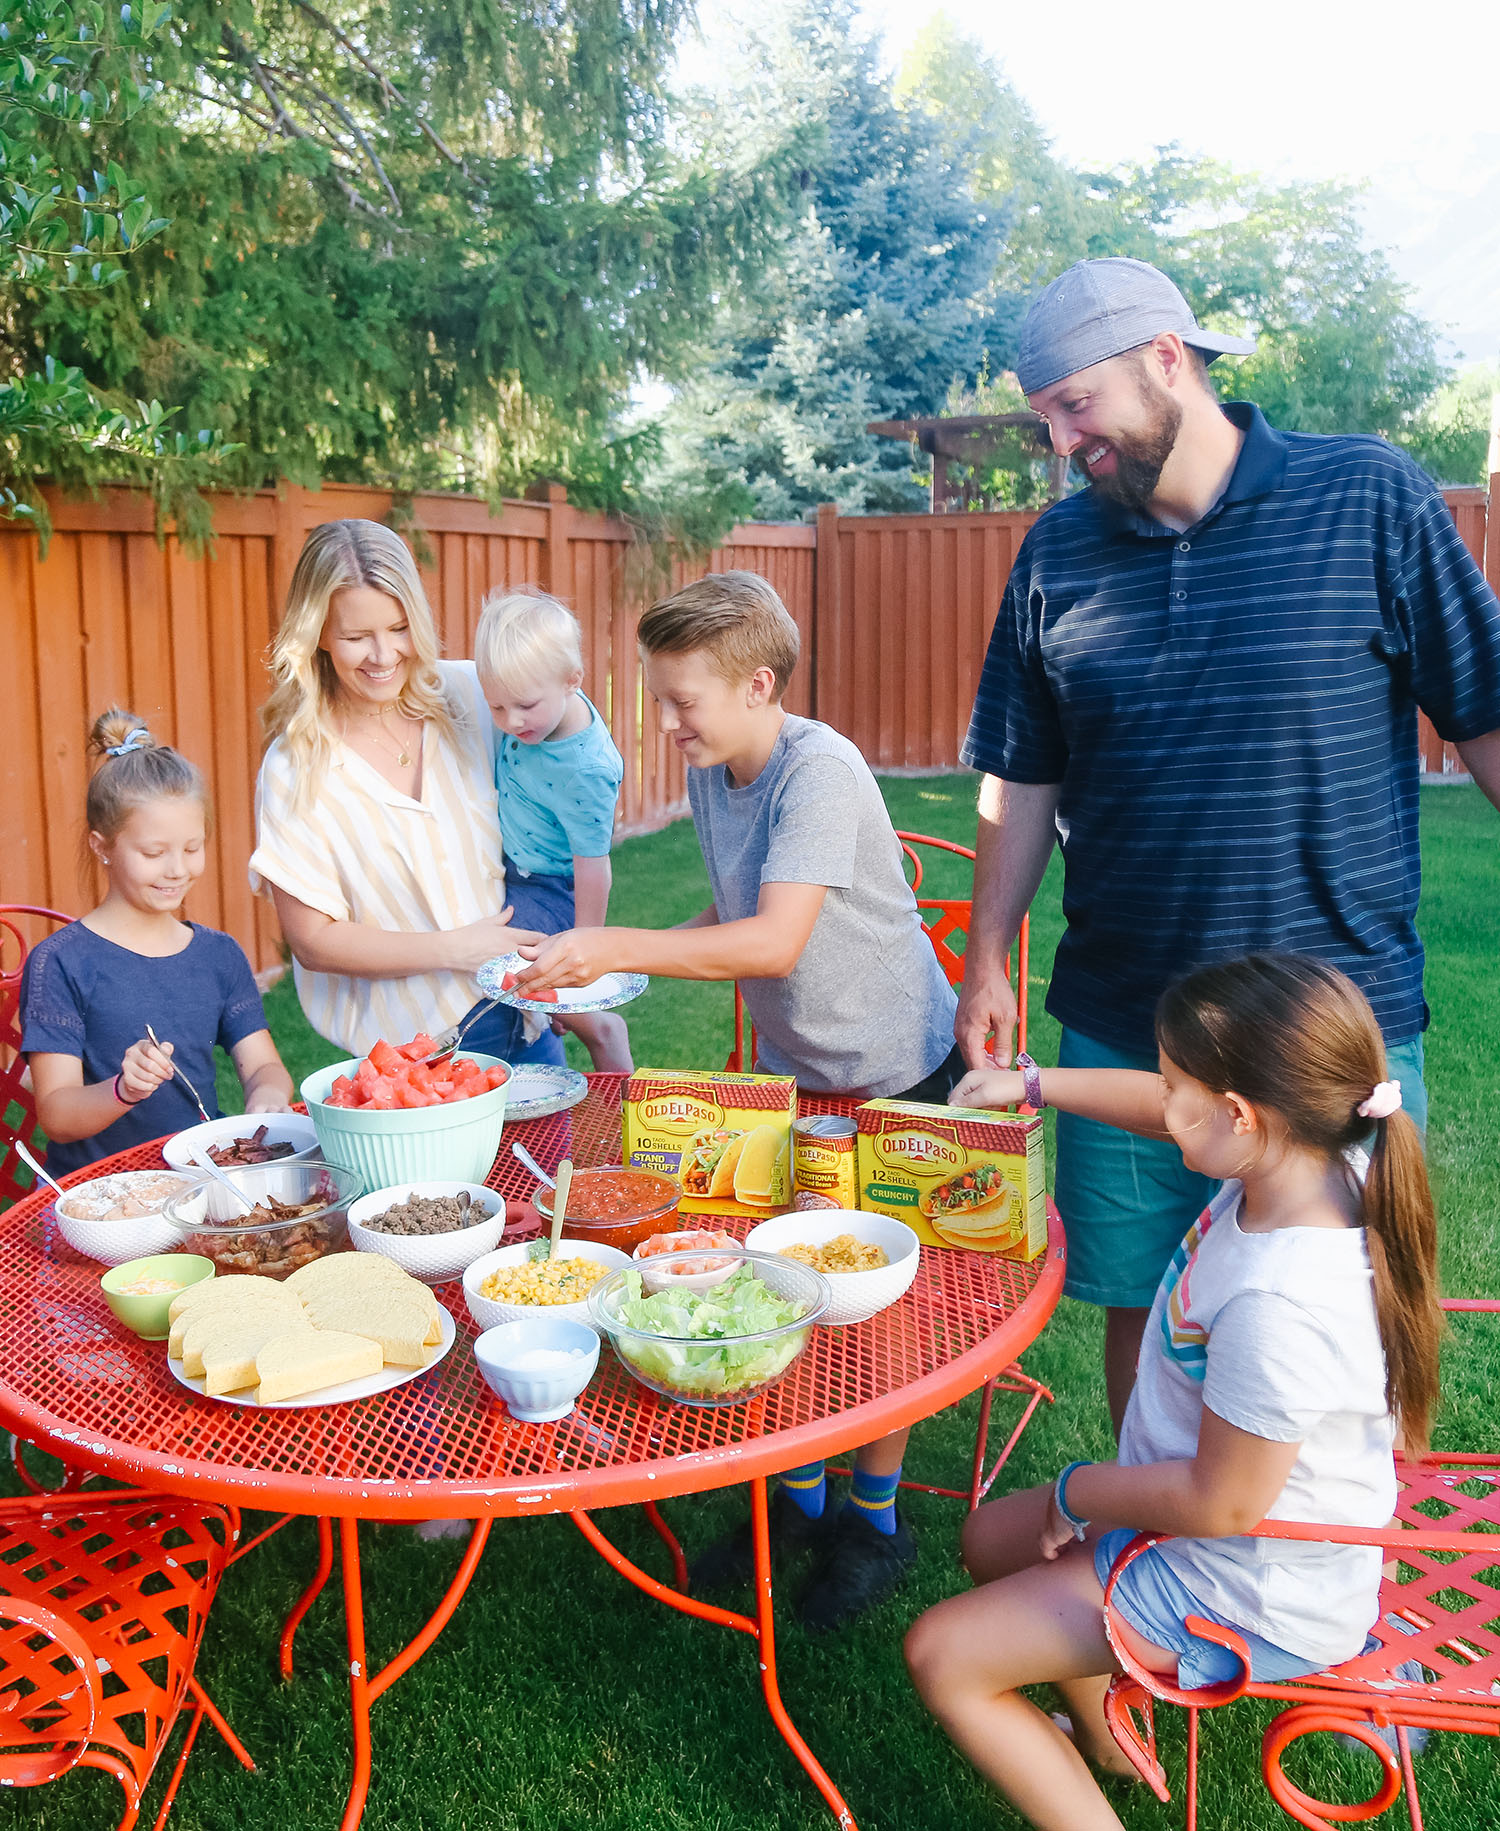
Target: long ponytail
[1295, 1037]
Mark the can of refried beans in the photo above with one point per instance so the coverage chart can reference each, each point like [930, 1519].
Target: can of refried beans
[823, 1162]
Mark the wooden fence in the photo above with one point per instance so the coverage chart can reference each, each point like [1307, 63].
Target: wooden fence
[895, 612]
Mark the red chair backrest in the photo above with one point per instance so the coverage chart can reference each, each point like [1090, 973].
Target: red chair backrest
[945, 919]
[17, 1107]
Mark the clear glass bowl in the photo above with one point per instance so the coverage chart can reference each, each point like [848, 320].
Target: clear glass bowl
[614, 1206]
[209, 1221]
[712, 1369]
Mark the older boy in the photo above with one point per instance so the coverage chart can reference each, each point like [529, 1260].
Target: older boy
[813, 915]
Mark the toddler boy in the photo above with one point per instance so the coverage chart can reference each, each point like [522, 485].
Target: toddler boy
[813, 915]
[557, 776]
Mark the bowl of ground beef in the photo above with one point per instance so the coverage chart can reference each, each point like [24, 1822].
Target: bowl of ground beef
[433, 1230]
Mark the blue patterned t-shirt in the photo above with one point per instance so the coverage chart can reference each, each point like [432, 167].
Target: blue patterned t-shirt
[557, 798]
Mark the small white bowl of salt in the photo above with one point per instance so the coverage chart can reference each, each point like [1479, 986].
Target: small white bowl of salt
[539, 1366]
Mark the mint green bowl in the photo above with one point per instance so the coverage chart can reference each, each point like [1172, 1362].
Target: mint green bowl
[456, 1142]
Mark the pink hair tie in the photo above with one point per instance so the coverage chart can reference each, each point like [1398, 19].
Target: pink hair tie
[1385, 1099]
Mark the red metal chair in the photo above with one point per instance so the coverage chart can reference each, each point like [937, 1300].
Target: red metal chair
[1439, 1583]
[17, 1107]
[946, 920]
[105, 1600]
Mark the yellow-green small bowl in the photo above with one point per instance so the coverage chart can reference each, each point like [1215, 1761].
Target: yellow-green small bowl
[147, 1315]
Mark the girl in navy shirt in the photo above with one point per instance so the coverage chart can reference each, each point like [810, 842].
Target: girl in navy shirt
[89, 991]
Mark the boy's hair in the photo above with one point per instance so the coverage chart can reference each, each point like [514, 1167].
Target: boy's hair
[736, 620]
[525, 638]
[1294, 1036]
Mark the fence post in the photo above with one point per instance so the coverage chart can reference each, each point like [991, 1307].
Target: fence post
[825, 604]
[286, 544]
[557, 545]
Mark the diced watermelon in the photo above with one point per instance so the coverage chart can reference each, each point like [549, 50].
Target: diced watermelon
[421, 1044]
[382, 1097]
[384, 1059]
[495, 1077]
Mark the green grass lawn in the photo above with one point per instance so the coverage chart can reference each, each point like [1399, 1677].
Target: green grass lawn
[559, 1699]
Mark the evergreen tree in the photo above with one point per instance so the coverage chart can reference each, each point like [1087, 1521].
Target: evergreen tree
[877, 297]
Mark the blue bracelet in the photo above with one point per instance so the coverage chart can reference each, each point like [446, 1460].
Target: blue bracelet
[1060, 1495]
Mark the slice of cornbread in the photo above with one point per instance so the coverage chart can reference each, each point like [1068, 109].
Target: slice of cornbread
[228, 1355]
[386, 1315]
[193, 1326]
[303, 1360]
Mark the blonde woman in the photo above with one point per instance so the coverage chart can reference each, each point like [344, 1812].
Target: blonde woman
[377, 833]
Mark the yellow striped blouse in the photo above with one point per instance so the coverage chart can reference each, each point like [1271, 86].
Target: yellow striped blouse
[363, 852]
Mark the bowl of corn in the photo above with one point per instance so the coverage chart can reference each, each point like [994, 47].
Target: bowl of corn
[521, 1281]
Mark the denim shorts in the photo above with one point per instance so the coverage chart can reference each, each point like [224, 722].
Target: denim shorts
[1126, 1202]
[1156, 1603]
[540, 902]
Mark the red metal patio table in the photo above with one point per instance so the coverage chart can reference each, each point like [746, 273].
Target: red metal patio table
[79, 1384]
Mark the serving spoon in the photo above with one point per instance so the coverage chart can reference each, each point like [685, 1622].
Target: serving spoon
[522, 1155]
[449, 1041]
[205, 1162]
[32, 1165]
[151, 1036]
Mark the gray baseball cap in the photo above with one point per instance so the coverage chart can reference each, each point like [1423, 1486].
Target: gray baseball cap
[1099, 309]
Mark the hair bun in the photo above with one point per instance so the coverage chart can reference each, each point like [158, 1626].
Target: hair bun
[113, 727]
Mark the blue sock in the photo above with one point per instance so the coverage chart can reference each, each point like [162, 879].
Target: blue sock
[873, 1498]
[807, 1487]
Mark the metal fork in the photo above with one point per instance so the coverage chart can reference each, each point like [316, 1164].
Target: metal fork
[153, 1037]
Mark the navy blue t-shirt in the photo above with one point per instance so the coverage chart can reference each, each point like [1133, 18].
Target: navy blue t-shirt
[85, 996]
[1231, 714]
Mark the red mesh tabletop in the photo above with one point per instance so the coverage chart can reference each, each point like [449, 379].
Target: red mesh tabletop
[75, 1380]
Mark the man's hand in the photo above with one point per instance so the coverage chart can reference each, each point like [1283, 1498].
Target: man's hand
[576, 957]
[984, 1025]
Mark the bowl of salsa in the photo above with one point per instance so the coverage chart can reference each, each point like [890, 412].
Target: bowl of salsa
[615, 1206]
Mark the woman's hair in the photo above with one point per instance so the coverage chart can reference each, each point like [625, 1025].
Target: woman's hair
[144, 771]
[526, 638]
[341, 556]
[1296, 1038]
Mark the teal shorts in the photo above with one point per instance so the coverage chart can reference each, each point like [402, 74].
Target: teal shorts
[1126, 1202]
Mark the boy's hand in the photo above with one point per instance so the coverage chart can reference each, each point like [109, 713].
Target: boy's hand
[578, 956]
[144, 1069]
[989, 1087]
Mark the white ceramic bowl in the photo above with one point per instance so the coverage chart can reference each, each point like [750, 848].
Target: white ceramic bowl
[113, 1242]
[857, 1296]
[489, 1314]
[432, 1257]
[538, 1395]
[685, 1266]
[295, 1129]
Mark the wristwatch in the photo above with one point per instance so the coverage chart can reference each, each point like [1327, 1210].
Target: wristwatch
[1032, 1076]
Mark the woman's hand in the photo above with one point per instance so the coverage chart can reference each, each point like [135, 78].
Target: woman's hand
[989, 1087]
[145, 1067]
[465, 950]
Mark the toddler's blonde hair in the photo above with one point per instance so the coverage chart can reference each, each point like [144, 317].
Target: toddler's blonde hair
[526, 638]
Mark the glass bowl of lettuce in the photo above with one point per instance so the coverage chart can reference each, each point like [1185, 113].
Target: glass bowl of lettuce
[713, 1347]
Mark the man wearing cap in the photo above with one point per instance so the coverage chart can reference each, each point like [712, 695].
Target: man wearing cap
[1203, 683]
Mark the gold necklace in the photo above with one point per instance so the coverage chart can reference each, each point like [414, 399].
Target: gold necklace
[401, 754]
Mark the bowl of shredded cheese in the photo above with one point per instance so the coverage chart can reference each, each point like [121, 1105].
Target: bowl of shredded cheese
[140, 1292]
[869, 1260]
[521, 1281]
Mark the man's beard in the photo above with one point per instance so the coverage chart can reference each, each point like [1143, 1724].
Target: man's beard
[1141, 456]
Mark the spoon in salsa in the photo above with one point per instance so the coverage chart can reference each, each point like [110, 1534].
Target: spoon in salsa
[560, 1203]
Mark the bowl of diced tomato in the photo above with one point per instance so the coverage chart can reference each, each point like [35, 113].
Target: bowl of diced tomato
[394, 1118]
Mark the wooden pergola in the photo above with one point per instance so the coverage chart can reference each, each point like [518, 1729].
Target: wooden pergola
[970, 439]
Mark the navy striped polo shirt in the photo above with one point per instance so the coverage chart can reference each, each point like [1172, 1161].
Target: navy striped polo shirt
[1231, 714]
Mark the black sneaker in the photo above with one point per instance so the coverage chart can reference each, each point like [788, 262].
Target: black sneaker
[731, 1559]
[860, 1567]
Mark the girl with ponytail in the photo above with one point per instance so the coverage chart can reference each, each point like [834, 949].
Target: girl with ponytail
[1294, 1335]
[89, 990]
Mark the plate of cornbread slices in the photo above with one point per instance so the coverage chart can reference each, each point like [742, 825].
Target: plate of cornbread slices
[344, 1327]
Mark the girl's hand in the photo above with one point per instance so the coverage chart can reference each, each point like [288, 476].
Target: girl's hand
[989, 1087]
[267, 1100]
[1056, 1533]
[144, 1069]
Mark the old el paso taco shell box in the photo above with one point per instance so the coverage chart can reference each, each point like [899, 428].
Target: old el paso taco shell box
[726, 1138]
[957, 1175]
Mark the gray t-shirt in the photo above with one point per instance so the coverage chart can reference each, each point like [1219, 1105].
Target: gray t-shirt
[866, 1010]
